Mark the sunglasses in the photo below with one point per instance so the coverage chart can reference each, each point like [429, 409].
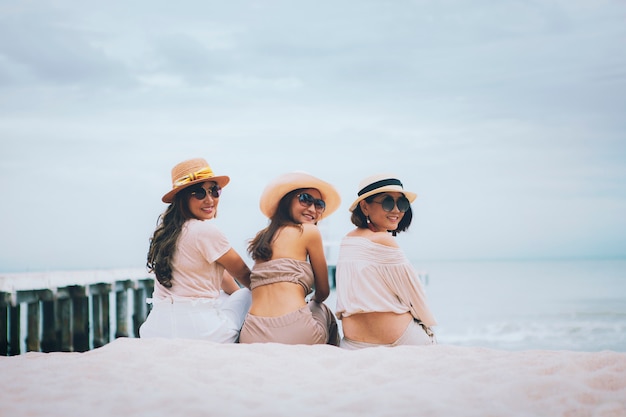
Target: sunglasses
[200, 193]
[389, 203]
[306, 200]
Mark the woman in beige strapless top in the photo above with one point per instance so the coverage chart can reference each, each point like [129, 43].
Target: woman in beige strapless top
[289, 263]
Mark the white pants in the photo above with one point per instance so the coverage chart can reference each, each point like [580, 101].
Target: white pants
[414, 334]
[218, 320]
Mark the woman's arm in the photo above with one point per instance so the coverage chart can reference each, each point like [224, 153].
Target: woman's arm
[317, 258]
[236, 267]
[229, 285]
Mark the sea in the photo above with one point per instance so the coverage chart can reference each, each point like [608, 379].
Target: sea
[576, 305]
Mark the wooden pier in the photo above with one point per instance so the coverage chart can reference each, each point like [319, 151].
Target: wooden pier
[71, 311]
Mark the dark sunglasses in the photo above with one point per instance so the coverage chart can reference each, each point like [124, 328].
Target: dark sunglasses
[389, 203]
[306, 200]
[200, 193]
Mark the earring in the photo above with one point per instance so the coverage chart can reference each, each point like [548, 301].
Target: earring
[370, 225]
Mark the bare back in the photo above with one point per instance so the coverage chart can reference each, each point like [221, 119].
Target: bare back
[379, 327]
[291, 242]
[302, 242]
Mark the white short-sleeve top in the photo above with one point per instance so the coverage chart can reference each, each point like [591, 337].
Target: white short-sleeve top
[195, 272]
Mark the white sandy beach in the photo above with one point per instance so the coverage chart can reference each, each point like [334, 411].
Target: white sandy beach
[157, 377]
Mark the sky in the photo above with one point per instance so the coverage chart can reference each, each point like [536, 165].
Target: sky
[507, 118]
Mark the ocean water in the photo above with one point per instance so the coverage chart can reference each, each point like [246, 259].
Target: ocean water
[557, 305]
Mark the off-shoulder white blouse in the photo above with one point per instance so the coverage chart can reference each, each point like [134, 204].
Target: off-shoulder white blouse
[371, 277]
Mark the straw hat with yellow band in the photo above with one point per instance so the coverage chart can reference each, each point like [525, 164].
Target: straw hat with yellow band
[381, 183]
[190, 172]
[280, 186]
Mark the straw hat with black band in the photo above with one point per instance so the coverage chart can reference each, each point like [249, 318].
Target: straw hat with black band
[381, 183]
[279, 187]
[190, 172]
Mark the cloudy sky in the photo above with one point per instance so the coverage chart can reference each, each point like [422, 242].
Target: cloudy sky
[508, 118]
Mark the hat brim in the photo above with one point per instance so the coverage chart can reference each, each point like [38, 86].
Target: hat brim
[278, 188]
[221, 180]
[387, 189]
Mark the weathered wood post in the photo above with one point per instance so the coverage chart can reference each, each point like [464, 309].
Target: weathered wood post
[100, 311]
[80, 318]
[32, 337]
[106, 323]
[14, 332]
[66, 332]
[50, 334]
[97, 319]
[4, 326]
[121, 307]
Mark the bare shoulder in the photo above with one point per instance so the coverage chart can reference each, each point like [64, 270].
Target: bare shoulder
[384, 238]
[299, 231]
[381, 238]
[310, 229]
[286, 233]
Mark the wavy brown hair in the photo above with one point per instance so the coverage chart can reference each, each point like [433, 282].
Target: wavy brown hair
[163, 241]
[260, 248]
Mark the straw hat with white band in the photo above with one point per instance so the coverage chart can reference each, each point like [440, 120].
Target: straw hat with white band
[381, 183]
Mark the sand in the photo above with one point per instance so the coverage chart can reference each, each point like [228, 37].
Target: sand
[160, 377]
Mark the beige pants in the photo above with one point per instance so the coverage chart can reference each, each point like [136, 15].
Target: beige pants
[312, 324]
[415, 334]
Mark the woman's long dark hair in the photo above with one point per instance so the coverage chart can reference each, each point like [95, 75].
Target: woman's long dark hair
[260, 248]
[163, 241]
[360, 220]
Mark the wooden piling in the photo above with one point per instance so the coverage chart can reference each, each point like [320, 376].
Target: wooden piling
[66, 333]
[49, 337]
[4, 329]
[32, 338]
[80, 318]
[14, 331]
[100, 313]
[121, 307]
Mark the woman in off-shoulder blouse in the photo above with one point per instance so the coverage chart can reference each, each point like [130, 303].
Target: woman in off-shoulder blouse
[380, 299]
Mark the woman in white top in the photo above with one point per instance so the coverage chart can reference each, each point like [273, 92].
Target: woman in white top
[195, 294]
[380, 299]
